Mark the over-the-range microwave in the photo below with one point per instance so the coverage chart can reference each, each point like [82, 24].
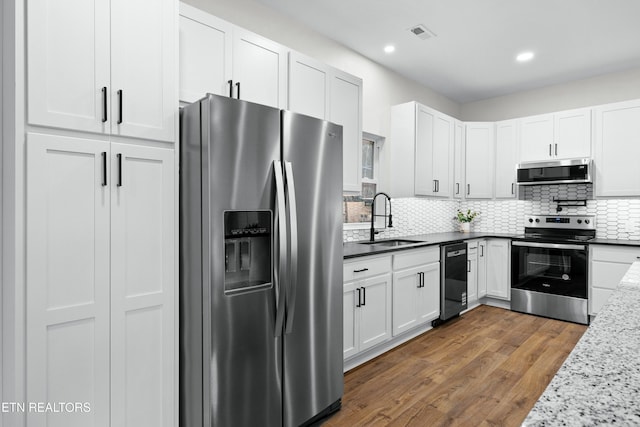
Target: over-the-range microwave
[569, 171]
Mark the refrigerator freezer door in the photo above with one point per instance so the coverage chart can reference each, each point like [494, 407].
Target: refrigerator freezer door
[313, 378]
[240, 372]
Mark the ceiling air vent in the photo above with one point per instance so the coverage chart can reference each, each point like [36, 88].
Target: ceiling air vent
[422, 32]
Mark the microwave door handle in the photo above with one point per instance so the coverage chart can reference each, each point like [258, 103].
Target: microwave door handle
[293, 260]
[281, 267]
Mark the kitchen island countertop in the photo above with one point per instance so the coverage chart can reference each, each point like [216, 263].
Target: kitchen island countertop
[599, 383]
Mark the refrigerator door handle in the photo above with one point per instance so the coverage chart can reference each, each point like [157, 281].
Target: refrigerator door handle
[293, 259]
[280, 273]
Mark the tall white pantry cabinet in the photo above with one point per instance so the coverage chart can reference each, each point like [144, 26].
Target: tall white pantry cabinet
[99, 219]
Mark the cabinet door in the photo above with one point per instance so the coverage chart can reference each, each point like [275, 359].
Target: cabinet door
[429, 295]
[375, 311]
[143, 288]
[424, 175]
[572, 134]
[143, 69]
[536, 138]
[259, 69]
[458, 160]
[497, 280]
[67, 288]
[308, 86]
[482, 269]
[479, 165]
[616, 156]
[350, 315]
[406, 289]
[346, 110]
[443, 154]
[205, 54]
[68, 64]
[506, 159]
[472, 272]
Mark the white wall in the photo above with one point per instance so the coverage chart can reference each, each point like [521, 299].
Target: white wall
[603, 89]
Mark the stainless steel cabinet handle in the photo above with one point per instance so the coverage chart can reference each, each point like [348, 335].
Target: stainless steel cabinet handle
[419, 279]
[120, 114]
[358, 304]
[549, 150]
[437, 185]
[434, 186]
[104, 168]
[230, 82]
[481, 250]
[468, 189]
[104, 104]
[119, 157]
[468, 266]
[361, 270]
[237, 90]
[457, 188]
[364, 296]
[513, 185]
[556, 149]
[280, 272]
[293, 243]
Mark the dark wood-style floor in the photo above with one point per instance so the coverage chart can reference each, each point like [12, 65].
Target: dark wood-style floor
[486, 368]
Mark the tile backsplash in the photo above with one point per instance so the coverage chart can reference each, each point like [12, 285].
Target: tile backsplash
[617, 218]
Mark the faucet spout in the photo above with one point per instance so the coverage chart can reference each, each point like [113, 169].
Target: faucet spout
[372, 231]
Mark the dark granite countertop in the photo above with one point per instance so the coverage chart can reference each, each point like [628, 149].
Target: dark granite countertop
[360, 249]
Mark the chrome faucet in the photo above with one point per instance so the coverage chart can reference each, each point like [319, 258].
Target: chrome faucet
[373, 232]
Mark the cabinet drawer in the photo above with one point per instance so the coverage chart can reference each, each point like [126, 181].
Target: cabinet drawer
[412, 258]
[625, 255]
[366, 267]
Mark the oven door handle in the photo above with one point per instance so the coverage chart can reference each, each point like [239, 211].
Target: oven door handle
[548, 245]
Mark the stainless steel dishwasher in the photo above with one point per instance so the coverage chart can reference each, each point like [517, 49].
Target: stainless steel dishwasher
[453, 281]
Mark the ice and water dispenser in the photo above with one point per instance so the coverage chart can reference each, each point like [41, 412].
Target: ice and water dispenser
[247, 251]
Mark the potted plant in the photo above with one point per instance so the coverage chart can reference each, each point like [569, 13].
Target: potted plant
[465, 219]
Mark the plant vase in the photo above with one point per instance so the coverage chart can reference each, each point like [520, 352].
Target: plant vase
[465, 227]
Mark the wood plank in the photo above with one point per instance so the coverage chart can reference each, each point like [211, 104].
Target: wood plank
[487, 367]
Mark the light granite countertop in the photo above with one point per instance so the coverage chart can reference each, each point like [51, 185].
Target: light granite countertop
[599, 383]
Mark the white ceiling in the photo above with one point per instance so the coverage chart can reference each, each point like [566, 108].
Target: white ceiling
[473, 54]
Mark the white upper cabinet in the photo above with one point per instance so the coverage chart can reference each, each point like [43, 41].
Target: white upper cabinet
[346, 110]
[617, 132]
[309, 82]
[107, 67]
[506, 159]
[422, 153]
[259, 69]
[205, 54]
[220, 58]
[458, 162]
[479, 160]
[562, 135]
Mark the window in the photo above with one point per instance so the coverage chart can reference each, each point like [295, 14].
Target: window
[357, 206]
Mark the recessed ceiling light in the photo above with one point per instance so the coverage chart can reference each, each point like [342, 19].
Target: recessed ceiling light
[524, 57]
[389, 48]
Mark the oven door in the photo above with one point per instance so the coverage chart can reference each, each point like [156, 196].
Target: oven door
[558, 269]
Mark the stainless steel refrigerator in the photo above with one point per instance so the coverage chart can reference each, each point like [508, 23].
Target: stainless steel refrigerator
[260, 265]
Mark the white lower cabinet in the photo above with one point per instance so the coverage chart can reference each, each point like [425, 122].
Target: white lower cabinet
[101, 295]
[498, 268]
[481, 277]
[366, 304]
[416, 288]
[472, 272]
[608, 264]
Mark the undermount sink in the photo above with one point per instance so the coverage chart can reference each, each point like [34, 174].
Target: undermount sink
[392, 242]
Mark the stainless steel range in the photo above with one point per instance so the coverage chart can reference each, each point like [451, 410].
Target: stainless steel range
[549, 267]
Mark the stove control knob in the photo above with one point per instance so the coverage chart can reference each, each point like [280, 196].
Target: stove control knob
[586, 221]
[580, 221]
[537, 219]
[530, 219]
